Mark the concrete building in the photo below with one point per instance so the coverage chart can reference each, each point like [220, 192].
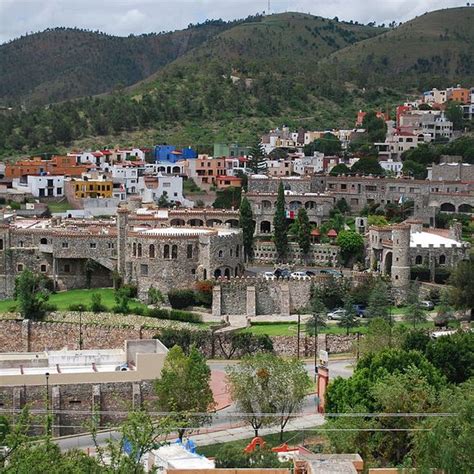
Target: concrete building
[40, 186]
[72, 385]
[151, 188]
[392, 167]
[88, 186]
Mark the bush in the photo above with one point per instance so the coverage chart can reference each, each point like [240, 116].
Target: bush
[174, 315]
[180, 299]
[155, 296]
[79, 307]
[48, 307]
[442, 275]
[96, 303]
[420, 273]
[185, 338]
[203, 293]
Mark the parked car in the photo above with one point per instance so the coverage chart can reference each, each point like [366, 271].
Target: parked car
[310, 273]
[427, 305]
[299, 275]
[360, 310]
[282, 273]
[334, 273]
[268, 275]
[336, 314]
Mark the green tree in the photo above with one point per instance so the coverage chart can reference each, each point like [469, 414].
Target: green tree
[445, 443]
[462, 286]
[414, 169]
[424, 154]
[351, 244]
[31, 295]
[318, 312]
[377, 220]
[376, 128]
[454, 113]
[329, 144]
[415, 312]
[342, 206]
[249, 383]
[280, 225]
[247, 224]
[379, 301]
[367, 165]
[303, 231]
[232, 456]
[453, 355]
[184, 389]
[349, 318]
[340, 169]
[96, 303]
[256, 157]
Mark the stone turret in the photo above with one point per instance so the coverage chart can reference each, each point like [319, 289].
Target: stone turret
[122, 226]
[400, 261]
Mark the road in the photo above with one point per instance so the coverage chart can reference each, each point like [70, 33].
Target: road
[223, 420]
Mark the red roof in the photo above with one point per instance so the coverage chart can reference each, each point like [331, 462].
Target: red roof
[315, 232]
[97, 154]
[106, 152]
[228, 178]
[332, 233]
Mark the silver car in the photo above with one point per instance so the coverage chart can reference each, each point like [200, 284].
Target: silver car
[336, 314]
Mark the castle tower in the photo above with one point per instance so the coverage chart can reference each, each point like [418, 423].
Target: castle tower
[400, 261]
[122, 226]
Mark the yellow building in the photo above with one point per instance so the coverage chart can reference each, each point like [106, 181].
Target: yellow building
[89, 188]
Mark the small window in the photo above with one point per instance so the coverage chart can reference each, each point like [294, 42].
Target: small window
[43, 241]
[20, 267]
[65, 245]
[20, 243]
[67, 268]
[144, 270]
[166, 251]
[43, 268]
[151, 251]
[442, 259]
[1, 244]
[134, 249]
[190, 251]
[93, 245]
[139, 250]
[174, 251]
[237, 249]
[221, 253]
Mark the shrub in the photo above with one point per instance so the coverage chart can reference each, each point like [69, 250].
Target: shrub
[48, 307]
[96, 303]
[140, 310]
[180, 299]
[203, 293]
[185, 338]
[420, 273]
[77, 307]
[155, 296]
[442, 275]
[174, 315]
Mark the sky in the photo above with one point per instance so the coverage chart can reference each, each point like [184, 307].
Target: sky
[123, 17]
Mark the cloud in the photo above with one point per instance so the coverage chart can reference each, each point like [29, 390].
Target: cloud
[123, 17]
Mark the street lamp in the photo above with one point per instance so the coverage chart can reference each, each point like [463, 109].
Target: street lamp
[298, 334]
[315, 348]
[80, 329]
[48, 422]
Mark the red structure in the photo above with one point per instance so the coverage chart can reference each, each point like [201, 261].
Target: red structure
[258, 441]
[323, 380]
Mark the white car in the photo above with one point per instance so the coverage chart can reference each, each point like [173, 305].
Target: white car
[427, 305]
[336, 314]
[299, 275]
[268, 276]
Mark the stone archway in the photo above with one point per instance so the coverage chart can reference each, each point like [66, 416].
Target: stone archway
[447, 207]
[465, 208]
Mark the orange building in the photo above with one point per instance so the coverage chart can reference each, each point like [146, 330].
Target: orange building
[459, 94]
[57, 165]
[224, 182]
[207, 169]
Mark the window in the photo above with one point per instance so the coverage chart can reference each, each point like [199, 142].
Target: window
[151, 251]
[174, 251]
[43, 268]
[20, 243]
[221, 253]
[237, 248]
[93, 245]
[65, 245]
[166, 251]
[442, 259]
[43, 241]
[20, 267]
[139, 250]
[143, 269]
[1, 244]
[134, 249]
[67, 268]
[190, 251]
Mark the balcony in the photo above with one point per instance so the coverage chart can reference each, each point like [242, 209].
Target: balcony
[45, 248]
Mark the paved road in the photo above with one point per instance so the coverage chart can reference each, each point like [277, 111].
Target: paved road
[225, 425]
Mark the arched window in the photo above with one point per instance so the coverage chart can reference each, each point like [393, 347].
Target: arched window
[442, 259]
[189, 251]
[1, 244]
[139, 250]
[204, 274]
[174, 251]
[44, 241]
[418, 260]
[151, 251]
[166, 251]
[217, 273]
[231, 252]
[220, 254]
[237, 249]
[134, 249]
[236, 271]
[227, 273]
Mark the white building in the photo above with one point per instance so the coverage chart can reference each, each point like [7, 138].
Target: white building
[40, 186]
[126, 175]
[392, 166]
[151, 188]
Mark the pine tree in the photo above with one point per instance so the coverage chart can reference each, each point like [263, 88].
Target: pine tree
[303, 231]
[415, 312]
[349, 318]
[379, 301]
[318, 312]
[247, 224]
[257, 157]
[281, 228]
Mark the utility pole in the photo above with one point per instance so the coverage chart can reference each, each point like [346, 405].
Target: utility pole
[298, 336]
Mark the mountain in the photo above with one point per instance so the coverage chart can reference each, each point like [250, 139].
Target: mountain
[241, 79]
[432, 50]
[63, 63]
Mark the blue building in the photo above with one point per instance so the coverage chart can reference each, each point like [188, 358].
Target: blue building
[171, 154]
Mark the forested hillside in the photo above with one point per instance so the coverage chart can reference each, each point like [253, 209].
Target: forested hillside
[260, 73]
[64, 63]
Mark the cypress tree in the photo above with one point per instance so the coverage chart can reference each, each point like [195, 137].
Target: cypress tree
[247, 224]
[257, 157]
[279, 223]
[303, 231]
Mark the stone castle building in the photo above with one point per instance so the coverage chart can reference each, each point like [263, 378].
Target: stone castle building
[393, 250]
[144, 249]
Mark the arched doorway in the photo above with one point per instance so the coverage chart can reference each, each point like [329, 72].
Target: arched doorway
[447, 207]
[467, 208]
[177, 222]
[196, 222]
[217, 273]
[265, 227]
[388, 263]
[227, 272]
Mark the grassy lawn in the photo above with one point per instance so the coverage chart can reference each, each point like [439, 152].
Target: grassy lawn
[64, 299]
[293, 438]
[62, 206]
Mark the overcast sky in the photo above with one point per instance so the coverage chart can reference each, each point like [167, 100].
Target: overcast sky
[122, 17]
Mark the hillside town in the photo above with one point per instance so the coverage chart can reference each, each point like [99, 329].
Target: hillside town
[301, 303]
